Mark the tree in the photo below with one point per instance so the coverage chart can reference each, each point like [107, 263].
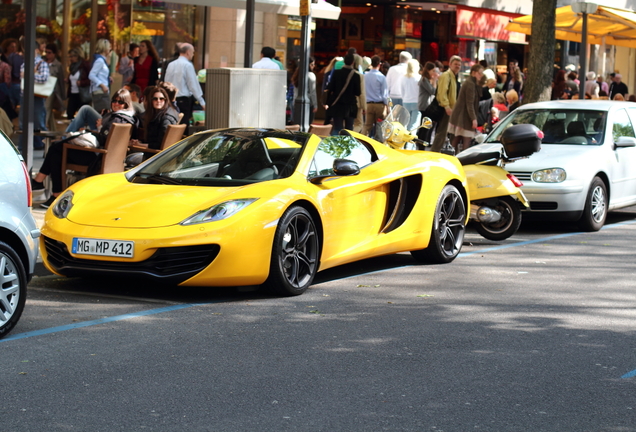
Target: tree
[538, 87]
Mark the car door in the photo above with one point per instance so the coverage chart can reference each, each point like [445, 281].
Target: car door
[623, 180]
[353, 208]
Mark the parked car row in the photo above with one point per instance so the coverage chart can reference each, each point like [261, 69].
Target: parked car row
[261, 206]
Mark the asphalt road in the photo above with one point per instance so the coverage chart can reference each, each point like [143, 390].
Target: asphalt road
[532, 334]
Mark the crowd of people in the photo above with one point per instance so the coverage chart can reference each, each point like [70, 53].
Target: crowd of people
[85, 90]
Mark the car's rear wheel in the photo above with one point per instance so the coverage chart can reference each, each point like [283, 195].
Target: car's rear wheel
[449, 227]
[13, 286]
[595, 210]
[295, 254]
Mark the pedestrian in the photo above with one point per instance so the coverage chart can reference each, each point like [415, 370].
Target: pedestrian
[361, 99]
[560, 88]
[181, 73]
[447, 90]
[5, 87]
[617, 86]
[513, 100]
[146, 65]
[343, 89]
[591, 86]
[394, 78]
[463, 119]
[488, 89]
[327, 73]
[41, 76]
[135, 94]
[427, 87]
[410, 92]
[57, 100]
[16, 60]
[267, 60]
[603, 86]
[571, 82]
[100, 76]
[499, 102]
[516, 82]
[79, 85]
[311, 88]
[127, 64]
[377, 93]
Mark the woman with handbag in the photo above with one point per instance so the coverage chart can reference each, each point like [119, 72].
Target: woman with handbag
[427, 87]
[100, 76]
[79, 86]
[343, 89]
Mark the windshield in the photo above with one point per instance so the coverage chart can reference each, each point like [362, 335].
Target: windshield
[400, 115]
[226, 158]
[560, 126]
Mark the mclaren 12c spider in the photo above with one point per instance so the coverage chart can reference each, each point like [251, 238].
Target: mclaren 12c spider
[247, 206]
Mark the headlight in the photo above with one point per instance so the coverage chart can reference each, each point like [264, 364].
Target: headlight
[63, 205]
[550, 175]
[219, 211]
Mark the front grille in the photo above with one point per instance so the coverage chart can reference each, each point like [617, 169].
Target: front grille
[543, 205]
[170, 264]
[523, 176]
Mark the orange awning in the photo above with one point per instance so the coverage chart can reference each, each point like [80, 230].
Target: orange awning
[610, 25]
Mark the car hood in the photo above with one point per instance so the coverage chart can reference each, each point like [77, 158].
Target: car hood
[111, 201]
[555, 156]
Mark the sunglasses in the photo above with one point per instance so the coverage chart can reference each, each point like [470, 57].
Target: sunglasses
[117, 101]
[154, 99]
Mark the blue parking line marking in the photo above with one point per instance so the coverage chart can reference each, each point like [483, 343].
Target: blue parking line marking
[99, 321]
[630, 374]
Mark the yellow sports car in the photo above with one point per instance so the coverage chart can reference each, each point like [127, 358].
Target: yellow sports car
[258, 206]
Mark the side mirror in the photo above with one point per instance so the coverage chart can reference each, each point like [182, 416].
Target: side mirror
[427, 123]
[341, 168]
[625, 142]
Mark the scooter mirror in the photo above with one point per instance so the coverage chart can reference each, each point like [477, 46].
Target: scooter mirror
[427, 123]
[480, 138]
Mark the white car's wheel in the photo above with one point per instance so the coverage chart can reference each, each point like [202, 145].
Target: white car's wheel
[595, 210]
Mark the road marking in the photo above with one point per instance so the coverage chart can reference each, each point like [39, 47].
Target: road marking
[101, 321]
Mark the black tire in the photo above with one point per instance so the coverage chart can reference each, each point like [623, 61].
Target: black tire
[295, 253]
[449, 227]
[595, 210]
[507, 225]
[13, 288]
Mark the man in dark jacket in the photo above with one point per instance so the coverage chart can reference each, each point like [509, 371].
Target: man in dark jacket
[343, 88]
[617, 86]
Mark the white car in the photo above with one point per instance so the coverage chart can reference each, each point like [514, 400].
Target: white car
[18, 235]
[587, 162]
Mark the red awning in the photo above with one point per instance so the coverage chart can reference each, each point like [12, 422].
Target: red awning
[474, 23]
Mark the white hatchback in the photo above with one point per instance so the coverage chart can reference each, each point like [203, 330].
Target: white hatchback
[18, 235]
[587, 162]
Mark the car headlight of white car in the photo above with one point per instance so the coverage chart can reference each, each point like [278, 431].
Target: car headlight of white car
[550, 175]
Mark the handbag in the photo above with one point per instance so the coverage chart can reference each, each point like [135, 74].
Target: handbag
[43, 90]
[434, 110]
[85, 94]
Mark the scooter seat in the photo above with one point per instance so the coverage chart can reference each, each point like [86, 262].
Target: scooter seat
[470, 158]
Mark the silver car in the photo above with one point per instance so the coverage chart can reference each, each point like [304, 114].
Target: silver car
[587, 162]
[18, 235]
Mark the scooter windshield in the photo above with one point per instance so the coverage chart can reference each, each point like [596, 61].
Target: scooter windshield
[400, 114]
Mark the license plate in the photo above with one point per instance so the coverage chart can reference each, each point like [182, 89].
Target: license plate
[101, 247]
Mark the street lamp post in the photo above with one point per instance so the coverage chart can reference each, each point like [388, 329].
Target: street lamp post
[302, 105]
[584, 9]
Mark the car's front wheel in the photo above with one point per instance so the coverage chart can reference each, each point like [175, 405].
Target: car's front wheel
[13, 286]
[595, 210]
[449, 227]
[295, 253]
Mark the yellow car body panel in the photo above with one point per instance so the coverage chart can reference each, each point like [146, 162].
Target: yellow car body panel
[351, 212]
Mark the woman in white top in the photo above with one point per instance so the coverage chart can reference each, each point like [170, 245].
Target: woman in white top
[411, 91]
